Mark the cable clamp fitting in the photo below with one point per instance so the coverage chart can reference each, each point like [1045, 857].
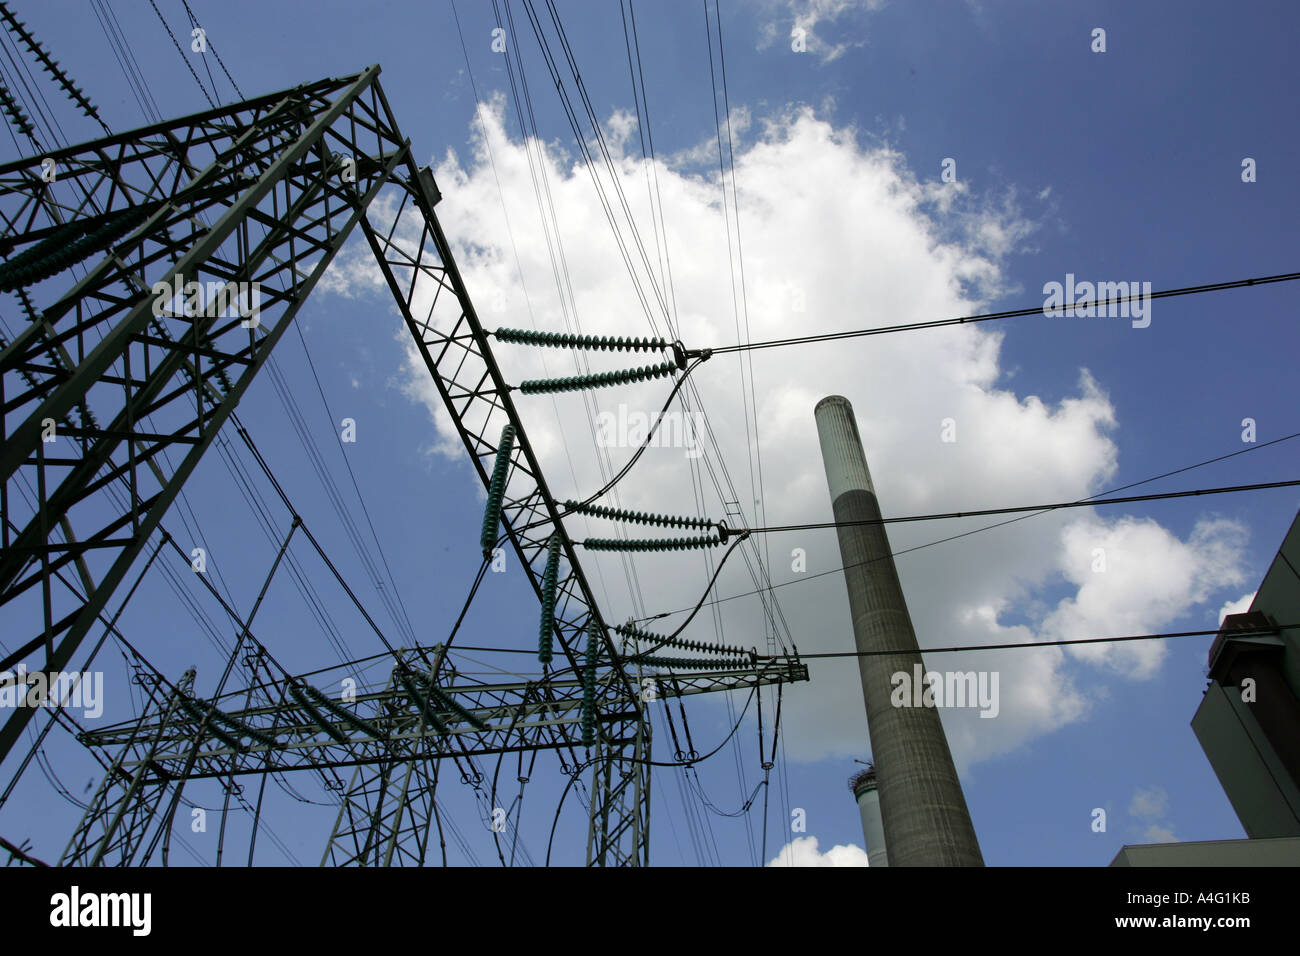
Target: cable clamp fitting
[681, 354]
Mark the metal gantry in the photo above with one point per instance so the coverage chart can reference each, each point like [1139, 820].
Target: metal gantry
[393, 737]
[113, 371]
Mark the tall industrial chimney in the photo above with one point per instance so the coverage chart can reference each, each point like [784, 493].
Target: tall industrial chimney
[926, 822]
[866, 792]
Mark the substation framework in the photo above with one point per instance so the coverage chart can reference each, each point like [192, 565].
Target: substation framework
[105, 382]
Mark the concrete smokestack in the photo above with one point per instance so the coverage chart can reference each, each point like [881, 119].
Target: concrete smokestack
[866, 792]
[926, 822]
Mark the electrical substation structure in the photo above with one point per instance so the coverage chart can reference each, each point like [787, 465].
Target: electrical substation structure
[106, 387]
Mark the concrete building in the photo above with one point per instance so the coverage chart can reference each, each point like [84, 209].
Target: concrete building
[1248, 724]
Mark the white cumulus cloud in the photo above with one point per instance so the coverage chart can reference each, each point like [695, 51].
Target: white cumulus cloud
[837, 234]
[1240, 606]
[803, 851]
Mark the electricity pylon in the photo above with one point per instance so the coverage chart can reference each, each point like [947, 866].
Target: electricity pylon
[252, 202]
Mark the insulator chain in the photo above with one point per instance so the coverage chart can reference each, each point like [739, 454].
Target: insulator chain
[588, 712]
[566, 340]
[684, 663]
[316, 716]
[596, 380]
[49, 64]
[550, 577]
[66, 247]
[17, 118]
[636, 517]
[421, 700]
[650, 544]
[634, 632]
[497, 490]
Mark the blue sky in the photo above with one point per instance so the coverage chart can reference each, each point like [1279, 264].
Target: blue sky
[1123, 165]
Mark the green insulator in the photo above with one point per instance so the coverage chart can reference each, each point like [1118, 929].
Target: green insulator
[421, 700]
[632, 631]
[198, 711]
[598, 380]
[649, 544]
[243, 729]
[636, 517]
[588, 712]
[317, 717]
[69, 245]
[550, 577]
[448, 703]
[347, 716]
[685, 663]
[232, 742]
[568, 340]
[497, 490]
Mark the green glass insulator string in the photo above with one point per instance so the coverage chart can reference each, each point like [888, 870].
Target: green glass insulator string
[637, 517]
[317, 717]
[573, 383]
[566, 340]
[650, 544]
[421, 700]
[683, 663]
[588, 712]
[497, 490]
[636, 633]
[550, 577]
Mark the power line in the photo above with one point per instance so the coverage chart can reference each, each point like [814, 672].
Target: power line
[213, 47]
[1241, 632]
[1002, 511]
[990, 527]
[188, 65]
[1006, 314]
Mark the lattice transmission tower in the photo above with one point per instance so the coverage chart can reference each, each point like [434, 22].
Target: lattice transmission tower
[108, 387]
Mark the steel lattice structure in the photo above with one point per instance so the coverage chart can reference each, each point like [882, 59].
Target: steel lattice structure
[394, 747]
[108, 377]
